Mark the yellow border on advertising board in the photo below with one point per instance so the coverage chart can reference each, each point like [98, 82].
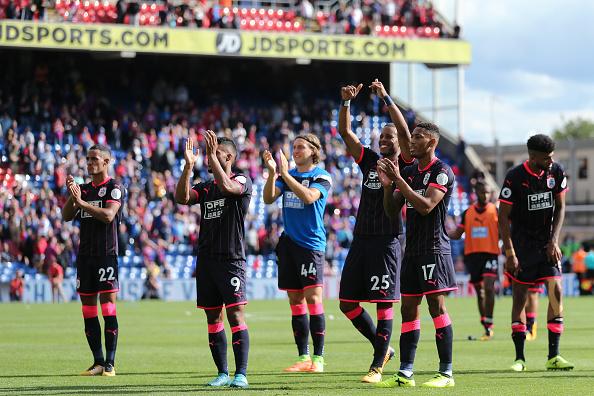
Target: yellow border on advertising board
[104, 37]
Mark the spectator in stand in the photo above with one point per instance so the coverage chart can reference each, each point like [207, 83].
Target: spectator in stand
[388, 12]
[10, 11]
[16, 287]
[56, 278]
[149, 134]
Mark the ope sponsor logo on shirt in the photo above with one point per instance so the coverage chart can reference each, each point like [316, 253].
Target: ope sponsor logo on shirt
[293, 201]
[97, 204]
[214, 209]
[480, 232]
[540, 201]
[373, 181]
[420, 192]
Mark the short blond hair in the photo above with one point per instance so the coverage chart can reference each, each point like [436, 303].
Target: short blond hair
[314, 143]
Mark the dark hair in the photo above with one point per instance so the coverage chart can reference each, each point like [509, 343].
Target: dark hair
[429, 127]
[101, 147]
[480, 184]
[229, 143]
[541, 143]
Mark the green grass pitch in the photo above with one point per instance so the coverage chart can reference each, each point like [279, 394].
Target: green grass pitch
[163, 349]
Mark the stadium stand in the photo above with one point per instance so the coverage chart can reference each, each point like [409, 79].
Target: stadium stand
[48, 120]
[397, 18]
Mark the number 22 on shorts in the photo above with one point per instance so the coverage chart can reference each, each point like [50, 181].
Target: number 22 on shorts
[103, 272]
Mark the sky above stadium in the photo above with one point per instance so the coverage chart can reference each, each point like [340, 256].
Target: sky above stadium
[533, 63]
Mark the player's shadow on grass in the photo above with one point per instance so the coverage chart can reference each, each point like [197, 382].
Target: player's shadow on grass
[107, 390]
[142, 389]
[119, 374]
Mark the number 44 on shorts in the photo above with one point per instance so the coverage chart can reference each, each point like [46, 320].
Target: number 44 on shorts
[312, 270]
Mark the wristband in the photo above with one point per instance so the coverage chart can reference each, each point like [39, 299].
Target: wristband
[510, 252]
[346, 103]
[388, 100]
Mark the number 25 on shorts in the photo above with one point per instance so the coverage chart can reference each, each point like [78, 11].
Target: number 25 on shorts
[375, 280]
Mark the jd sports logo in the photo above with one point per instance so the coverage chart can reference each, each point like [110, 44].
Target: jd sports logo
[228, 43]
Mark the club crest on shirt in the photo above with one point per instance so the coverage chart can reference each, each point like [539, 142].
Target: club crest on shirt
[550, 182]
[305, 182]
[373, 182]
[426, 178]
[102, 192]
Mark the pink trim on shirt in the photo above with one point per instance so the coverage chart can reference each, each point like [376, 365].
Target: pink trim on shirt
[438, 186]
[428, 165]
[357, 161]
[530, 170]
[102, 183]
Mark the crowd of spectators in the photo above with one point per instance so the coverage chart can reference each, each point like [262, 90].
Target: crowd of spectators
[46, 126]
[350, 17]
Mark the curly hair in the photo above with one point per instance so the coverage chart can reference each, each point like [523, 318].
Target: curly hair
[541, 143]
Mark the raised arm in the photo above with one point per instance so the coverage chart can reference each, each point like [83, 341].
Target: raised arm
[351, 140]
[271, 192]
[397, 118]
[227, 185]
[183, 193]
